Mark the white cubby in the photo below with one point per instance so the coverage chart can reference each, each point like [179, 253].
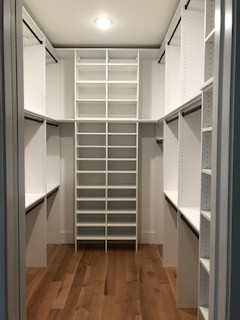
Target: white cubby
[90, 73]
[122, 218]
[204, 252]
[91, 179]
[90, 91]
[90, 219]
[125, 73]
[91, 128]
[90, 233]
[204, 287]
[122, 179]
[91, 56]
[122, 91]
[171, 150]
[91, 140]
[121, 152]
[121, 233]
[90, 193]
[123, 109]
[122, 205]
[91, 165]
[209, 17]
[86, 205]
[52, 109]
[121, 193]
[122, 165]
[122, 56]
[95, 152]
[90, 109]
[122, 128]
[206, 193]
[121, 140]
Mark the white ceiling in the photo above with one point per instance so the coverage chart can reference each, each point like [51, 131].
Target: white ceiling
[139, 23]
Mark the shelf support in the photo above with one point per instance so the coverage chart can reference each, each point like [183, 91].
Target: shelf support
[31, 30]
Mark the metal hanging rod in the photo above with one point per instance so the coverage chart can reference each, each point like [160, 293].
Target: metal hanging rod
[187, 4]
[35, 205]
[171, 120]
[172, 205]
[51, 55]
[52, 192]
[52, 124]
[190, 226]
[33, 119]
[31, 30]
[161, 56]
[191, 111]
[174, 31]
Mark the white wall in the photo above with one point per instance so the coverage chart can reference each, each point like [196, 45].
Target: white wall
[150, 186]
[67, 183]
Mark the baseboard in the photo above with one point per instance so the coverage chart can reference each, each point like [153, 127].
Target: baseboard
[147, 237]
[67, 237]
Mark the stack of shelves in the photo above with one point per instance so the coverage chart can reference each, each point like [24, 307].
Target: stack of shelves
[205, 220]
[106, 151]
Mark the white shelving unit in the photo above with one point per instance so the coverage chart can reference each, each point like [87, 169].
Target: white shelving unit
[107, 152]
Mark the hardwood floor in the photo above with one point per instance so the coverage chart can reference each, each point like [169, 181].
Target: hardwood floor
[94, 285]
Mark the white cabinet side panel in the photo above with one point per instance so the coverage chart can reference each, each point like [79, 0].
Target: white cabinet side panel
[66, 75]
[67, 183]
[161, 91]
[52, 90]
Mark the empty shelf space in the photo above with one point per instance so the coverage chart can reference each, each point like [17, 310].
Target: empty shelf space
[115, 194]
[123, 56]
[121, 232]
[91, 237]
[208, 129]
[120, 178]
[121, 219]
[32, 198]
[206, 214]
[91, 140]
[122, 128]
[122, 165]
[94, 194]
[90, 91]
[91, 165]
[122, 141]
[193, 217]
[205, 312]
[90, 109]
[173, 197]
[88, 56]
[91, 179]
[122, 91]
[207, 171]
[122, 109]
[206, 264]
[91, 128]
[122, 152]
[80, 212]
[91, 152]
[122, 73]
[85, 73]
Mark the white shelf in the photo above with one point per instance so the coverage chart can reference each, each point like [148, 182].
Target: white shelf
[205, 312]
[122, 212]
[90, 238]
[206, 214]
[91, 82]
[193, 217]
[172, 196]
[91, 100]
[122, 82]
[122, 187]
[91, 171]
[120, 224]
[91, 199]
[89, 224]
[52, 188]
[121, 237]
[125, 147]
[90, 133]
[91, 187]
[122, 134]
[207, 171]
[121, 171]
[91, 211]
[32, 198]
[91, 64]
[121, 199]
[210, 36]
[208, 129]
[206, 264]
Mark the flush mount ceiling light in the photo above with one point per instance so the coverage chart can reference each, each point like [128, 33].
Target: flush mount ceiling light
[103, 23]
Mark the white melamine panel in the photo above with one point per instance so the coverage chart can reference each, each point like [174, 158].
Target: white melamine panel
[187, 279]
[91, 56]
[91, 91]
[210, 17]
[190, 160]
[91, 128]
[207, 150]
[90, 109]
[52, 90]
[170, 252]
[192, 54]
[161, 90]
[148, 88]
[122, 128]
[66, 88]
[90, 73]
[122, 56]
[122, 73]
[151, 211]
[207, 107]
[35, 157]
[67, 183]
[122, 110]
[53, 218]
[53, 157]
[209, 58]
[34, 77]
[36, 237]
[204, 287]
[122, 91]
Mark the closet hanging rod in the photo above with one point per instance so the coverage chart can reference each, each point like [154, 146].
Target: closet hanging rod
[161, 56]
[190, 226]
[52, 192]
[31, 30]
[33, 119]
[171, 120]
[174, 31]
[35, 205]
[191, 111]
[172, 205]
[52, 124]
[51, 55]
[187, 4]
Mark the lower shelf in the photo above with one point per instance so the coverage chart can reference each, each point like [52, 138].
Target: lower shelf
[32, 198]
[193, 217]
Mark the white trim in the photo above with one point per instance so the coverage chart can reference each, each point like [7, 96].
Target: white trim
[147, 237]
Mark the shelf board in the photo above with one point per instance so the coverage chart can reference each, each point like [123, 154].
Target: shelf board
[205, 312]
[121, 224]
[192, 214]
[90, 187]
[123, 82]
[91, 82]
[91, 159]
[122, 134]
[210, 36]
[91, 212]
[123, 237]
[91, 199]
[172, 196]
[91, 171]
[32, 198]
[122, 199]
[122, 212]
[122, 171]
[125, 147]
[207, 129]
[207, 171]
[91, 133]
[122, 187]
[89, 224]
[206, 264]
[122, 100]
[207, 84]
[90, 238]
[91, 100]
[52, 188]
[122, 159]
[122, 64]
[206, 214]
[91, 64]
[90, 146]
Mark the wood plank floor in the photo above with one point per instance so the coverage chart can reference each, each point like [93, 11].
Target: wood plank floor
[94, 285]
